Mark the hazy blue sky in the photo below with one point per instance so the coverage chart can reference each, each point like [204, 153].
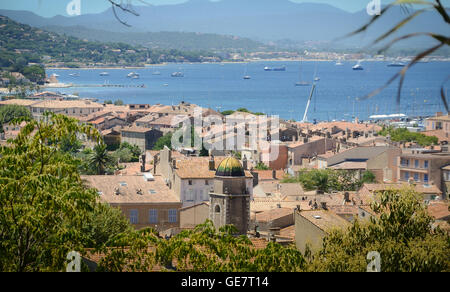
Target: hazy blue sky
[50, 8]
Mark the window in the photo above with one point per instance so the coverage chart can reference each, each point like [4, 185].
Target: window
[190, 196]
[153, 216]
[134, 216]
[406, 175]
[416, 163]
[425, 178]
[206, 183]
[123, 184]
[217, 209]
[173, 216]
[416, 177]
[190, 182]
[425, 164]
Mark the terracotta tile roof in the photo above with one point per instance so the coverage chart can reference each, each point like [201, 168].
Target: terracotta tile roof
[128, 186]
[273, 214]
[134, 129]
[288, 232]
[325, 220]
[350, 165]
[439, 210]
[64, 104]
[431, 189]
[259, 243]
[440, 134]
[268, 174]
[198, 168]
[441, 118]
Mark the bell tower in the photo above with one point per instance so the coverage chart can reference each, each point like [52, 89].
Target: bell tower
[230, 201]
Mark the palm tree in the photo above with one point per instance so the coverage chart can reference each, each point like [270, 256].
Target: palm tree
[99, 159]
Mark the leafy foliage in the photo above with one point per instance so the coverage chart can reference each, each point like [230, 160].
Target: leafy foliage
[330, 180]
[9, 113]
[403, 135]
[44, 206]
[401, 232]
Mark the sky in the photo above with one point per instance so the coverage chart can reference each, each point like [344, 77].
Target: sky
[50, 8]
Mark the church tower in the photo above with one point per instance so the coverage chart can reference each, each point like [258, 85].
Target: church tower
[230, 201]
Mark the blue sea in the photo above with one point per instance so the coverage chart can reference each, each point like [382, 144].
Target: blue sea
[222, 87]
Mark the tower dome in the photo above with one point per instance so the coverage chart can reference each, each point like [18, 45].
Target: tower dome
[230, 167]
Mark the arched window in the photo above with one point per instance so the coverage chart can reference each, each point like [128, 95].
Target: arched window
[217, 209]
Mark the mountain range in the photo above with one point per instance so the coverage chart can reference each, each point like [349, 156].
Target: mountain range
[262, 20]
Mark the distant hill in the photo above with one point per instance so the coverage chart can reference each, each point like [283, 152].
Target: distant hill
[263, 20]
[24, 44]
[186, 41]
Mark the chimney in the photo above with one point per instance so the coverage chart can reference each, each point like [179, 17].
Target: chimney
[245, 163]
[212, 163]
[143, 160]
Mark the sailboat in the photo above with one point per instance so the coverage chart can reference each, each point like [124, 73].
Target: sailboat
[316, 78]
[246, 76]
[339, 63]
[358, 66]
[301, 82]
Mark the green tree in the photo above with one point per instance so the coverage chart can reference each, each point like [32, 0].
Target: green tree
[11, 112]
[165, 140]
[43, 204]
[100, 159]
[401, 232]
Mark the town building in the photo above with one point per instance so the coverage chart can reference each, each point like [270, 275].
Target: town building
[192, 178]
[313, 225]
[145, 200]
[230, 198]
[423, 167]
[144, 138]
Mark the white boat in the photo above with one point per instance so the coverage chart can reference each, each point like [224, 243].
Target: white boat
[177, 74]
[339, 63]
[396, 64]
[55, 75]
[246, 76]
[132, 74]
[358, 66]
[74, 75]
[135, 77]
[104, 74]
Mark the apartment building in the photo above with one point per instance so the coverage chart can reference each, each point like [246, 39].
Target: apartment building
[145, 200]
[423, 167]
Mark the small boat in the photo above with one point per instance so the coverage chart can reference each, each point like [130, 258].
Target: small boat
[280, 69]
[104, 74]
[396, 64]
[74, 75]
[317, 79]
[132, 74]
[177, 74]
[339, 63]
[358, 67]
[302, 83]
[166, 84]
[135, 77]
[55, 75]
[247, 77]
[268, 69]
